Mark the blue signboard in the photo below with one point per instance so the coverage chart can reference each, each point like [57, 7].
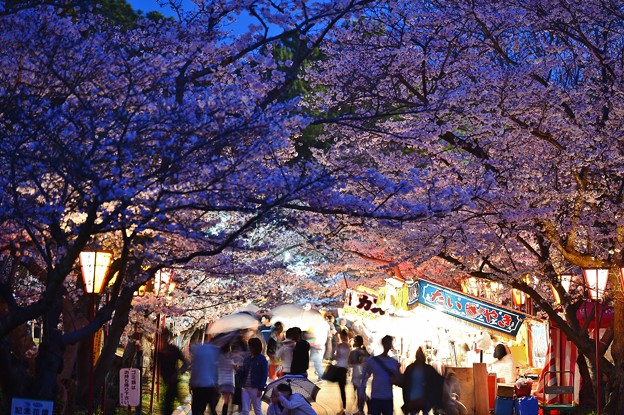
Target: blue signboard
[21, 406]
[465, 307]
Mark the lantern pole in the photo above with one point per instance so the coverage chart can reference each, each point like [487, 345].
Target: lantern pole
[596, 280]
[94, 265]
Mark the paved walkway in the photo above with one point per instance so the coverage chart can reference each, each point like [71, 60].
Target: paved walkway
[327, 401]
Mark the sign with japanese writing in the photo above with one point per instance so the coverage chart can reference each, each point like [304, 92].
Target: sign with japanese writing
[465, 307]
[129, 387]
[98, 341]
[362, 303]
[31, 407]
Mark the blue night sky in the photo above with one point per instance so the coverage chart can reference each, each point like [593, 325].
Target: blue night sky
[152, 5]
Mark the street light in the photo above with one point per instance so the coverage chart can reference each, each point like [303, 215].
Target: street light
[163, 283]
[596, 281]
[94, 265]
[565, 281]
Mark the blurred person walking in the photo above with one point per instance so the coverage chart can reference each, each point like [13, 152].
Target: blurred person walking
[204, 377]
[384, 370]
[273, 344]
[172, 364]
[342, 357]
[451, 394]
[226, 377]
[254, 374]
[423, 385]
[356, 360]
[239, 351]
[330, 344]
[265, 328]
[301, 354]
[285, 353]
[317, 350]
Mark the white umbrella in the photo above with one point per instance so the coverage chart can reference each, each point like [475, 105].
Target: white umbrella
[232, 322]
[294, 315]
[249, 307]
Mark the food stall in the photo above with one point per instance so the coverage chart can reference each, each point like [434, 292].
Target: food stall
[456, 330]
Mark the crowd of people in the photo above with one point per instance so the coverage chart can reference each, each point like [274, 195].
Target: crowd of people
[237, 369]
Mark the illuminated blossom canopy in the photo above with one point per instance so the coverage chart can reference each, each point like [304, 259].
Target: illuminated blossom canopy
[356, 135]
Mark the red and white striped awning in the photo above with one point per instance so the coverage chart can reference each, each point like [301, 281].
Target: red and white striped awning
[561, 356]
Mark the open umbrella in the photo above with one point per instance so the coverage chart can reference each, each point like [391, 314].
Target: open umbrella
[249, 308]
[298, 384]
[293, 315]
[222, 339]
[232, 322]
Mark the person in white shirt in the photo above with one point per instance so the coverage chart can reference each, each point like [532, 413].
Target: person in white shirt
[504, 365]
[285, 354]
[285, 402]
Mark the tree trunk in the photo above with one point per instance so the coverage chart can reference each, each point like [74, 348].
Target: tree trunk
[49, 362]
[615, 383]
[116, 328]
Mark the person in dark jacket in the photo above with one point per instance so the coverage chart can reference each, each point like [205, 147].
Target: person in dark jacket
[301, 354]
[422, 388]
[451, 405]
[253, 375]
[171, 363]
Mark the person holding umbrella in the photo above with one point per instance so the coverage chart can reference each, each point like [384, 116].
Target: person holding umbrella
[284, 401]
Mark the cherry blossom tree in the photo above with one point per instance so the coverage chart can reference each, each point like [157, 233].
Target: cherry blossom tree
[517, 100]
[486, 135]
[168, 143]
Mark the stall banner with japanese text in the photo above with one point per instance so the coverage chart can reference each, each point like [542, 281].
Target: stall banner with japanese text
[362, 303]
[31, 407]
[465, 307]
[129, 387]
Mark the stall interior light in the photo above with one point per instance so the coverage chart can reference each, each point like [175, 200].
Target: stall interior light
[555, 294]
[622, 278]
[94, 265]
[596, 281]
[164, 281]
[566, 280]
[140, 292]
[493, 289]
[518, 296]
[471, 286]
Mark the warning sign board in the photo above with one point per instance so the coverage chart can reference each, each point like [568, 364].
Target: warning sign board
[129, 387]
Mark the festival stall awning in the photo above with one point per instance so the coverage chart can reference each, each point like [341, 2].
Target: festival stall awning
[465, 307]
